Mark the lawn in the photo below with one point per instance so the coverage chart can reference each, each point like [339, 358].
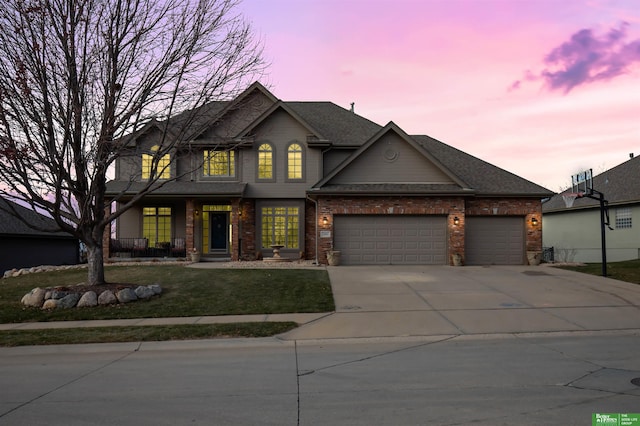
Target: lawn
[186, 292]
[628, 271]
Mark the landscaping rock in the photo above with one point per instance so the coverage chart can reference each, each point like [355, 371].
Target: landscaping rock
[155, 288]
[107, 298]
[9, 273]
[69, 301]
[144, 292]
[58, 294]
[126, 295]
[50, 304]
[34, 298]
[88, 300]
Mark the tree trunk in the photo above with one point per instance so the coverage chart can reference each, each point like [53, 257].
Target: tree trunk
[95, 265]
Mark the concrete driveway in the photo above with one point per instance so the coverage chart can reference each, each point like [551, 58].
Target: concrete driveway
[397, 301]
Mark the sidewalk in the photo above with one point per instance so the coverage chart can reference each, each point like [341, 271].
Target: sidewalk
[226, 319]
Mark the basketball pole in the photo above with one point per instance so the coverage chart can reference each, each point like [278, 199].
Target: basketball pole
[603, 224]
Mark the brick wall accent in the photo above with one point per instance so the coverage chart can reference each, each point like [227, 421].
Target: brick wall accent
[247, 229]
[452, 207]
[190, 224]
[444, 206]
[310, 228]
[527, 207]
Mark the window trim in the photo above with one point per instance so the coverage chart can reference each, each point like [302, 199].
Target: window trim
[230, 164]
[147, 163]
[273, 163]
[280, 204]
[624, 218]
[156, 216]
[302, 163]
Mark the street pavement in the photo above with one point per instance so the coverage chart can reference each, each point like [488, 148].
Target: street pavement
[495, 345]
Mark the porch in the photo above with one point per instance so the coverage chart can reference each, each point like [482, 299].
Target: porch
[140, 248]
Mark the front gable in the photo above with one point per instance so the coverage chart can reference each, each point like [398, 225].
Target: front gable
[392, 157]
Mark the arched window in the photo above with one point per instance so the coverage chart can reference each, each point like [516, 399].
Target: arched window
[265, 161]
[162, 169]
[294, 161]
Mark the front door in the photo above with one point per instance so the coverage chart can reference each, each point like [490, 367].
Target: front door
[219, 228]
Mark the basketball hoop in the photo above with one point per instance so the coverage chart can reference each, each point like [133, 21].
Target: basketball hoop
[569, 198]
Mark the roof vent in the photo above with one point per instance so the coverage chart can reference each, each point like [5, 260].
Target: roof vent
[352, 107]
[630, 154]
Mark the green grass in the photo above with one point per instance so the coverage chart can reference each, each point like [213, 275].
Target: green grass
[65, 336]
[186, 292]
[628, 271]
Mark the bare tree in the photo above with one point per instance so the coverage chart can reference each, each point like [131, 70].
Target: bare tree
[78, 76]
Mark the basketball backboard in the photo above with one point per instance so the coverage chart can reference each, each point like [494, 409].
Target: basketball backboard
[582, 182]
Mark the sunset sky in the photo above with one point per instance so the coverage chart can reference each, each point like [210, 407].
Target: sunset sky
[541, 88]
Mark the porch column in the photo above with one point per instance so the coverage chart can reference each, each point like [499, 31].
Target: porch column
[190, 224]
[236, 214]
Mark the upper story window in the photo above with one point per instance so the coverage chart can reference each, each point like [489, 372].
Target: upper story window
[294, 161]
[623, 218]
[219, 163]
[162, 169]
[265, 161]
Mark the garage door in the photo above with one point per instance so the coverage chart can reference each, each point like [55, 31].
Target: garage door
[391, 240]
[494, 240]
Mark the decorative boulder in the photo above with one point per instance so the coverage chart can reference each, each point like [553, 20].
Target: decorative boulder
[58, 294]
[126, 295]
[107, 298]
[144, 292]
[69, 301]
[155, 288]
[89, 299]
[50, 304]
[34, 298]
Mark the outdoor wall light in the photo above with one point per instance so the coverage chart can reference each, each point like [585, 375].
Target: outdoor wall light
[197, 212]
[456, 221]
[325, 220]
[534, 221]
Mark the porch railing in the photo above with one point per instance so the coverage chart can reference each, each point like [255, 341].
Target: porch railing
[140, 247]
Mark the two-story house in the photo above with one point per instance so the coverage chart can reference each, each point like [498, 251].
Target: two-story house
[258, 172]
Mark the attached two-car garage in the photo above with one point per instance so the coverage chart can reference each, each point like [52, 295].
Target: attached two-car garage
[422, 240]
[391, 239]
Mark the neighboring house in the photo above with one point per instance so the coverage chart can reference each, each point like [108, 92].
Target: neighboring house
[313, 177]
[574, 233]
[22, 246]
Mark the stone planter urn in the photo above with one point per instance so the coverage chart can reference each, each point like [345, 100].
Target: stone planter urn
[534, 257]
[195, 256]
[333, 258]
[456, 259]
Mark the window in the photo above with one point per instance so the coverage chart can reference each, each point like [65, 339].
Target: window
[219, 163]
[623, 218]
[156, 225]
[161, 170]
[280, 226]
[294, 161]
[265, 161]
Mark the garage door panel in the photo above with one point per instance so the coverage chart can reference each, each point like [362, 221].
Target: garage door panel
[494, 240]
[389, 239]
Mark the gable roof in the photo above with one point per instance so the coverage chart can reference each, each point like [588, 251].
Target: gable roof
[620, 185]
[483, 178]
[327, 123]
[11, 225]
[470, 175]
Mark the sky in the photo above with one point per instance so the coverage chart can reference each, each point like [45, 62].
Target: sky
[541, 88]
